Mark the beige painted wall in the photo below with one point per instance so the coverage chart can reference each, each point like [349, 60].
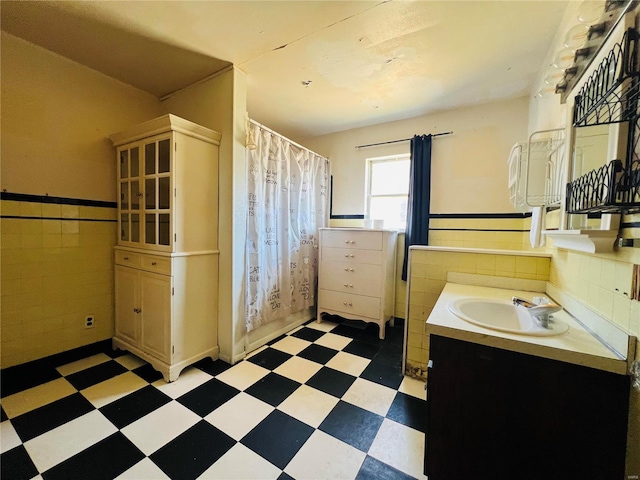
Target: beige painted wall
[468, 167]
[57, 260]
[220, 103]
[57, 116]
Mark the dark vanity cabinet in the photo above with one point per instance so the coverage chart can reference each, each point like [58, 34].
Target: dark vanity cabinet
[494, 414]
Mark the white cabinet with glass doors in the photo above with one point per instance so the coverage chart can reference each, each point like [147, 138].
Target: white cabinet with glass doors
[166, 258]
[145, 193]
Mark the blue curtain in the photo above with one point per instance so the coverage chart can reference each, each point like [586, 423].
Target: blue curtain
[419, 204]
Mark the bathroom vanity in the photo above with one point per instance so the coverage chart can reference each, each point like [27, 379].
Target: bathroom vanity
[503, 405]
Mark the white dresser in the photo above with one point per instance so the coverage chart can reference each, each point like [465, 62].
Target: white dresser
[356, 279]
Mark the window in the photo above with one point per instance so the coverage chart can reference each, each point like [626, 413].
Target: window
[388, 189]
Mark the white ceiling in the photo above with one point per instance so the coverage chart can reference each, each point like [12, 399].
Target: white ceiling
[365, 62]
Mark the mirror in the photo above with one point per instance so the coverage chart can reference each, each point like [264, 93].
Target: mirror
[593, 147]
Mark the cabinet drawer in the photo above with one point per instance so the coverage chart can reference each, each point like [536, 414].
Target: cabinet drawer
[157, 264]
[359, 305]
[128, 259]
[366, 240]
[362, 279]
[349, 255]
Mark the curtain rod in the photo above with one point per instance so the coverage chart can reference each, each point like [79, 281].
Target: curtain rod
[258, 124]
[398, 141]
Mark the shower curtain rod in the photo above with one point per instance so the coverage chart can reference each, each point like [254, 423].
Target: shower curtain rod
[258, 124]
[401, 140]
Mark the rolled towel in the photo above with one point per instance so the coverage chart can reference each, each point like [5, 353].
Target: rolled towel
[537, 225]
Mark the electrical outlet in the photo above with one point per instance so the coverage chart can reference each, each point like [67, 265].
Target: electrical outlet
[89, 321]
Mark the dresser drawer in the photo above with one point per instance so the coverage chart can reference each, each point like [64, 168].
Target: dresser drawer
[362, 279]
[373, 257]
[358, 305]
[127, 259]
[360, 239]
[157, 264]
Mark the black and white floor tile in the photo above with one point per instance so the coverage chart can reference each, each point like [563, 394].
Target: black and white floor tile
[325, 401]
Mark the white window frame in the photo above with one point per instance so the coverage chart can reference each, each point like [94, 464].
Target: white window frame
[368, 195]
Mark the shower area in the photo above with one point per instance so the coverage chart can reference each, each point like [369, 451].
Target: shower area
[287, 201]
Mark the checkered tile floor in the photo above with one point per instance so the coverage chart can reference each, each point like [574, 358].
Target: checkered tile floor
[325, 401]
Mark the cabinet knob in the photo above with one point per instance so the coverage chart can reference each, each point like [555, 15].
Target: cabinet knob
[345, 285]
[346, 269]
[351, 255]
[351, 270]
[350, 304]
[352, 242]
[344, 303]
[126, 258]
[153, 264]
[351, 285]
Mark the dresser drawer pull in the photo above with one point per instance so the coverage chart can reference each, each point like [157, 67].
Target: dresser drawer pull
[350, 285]
[349, 255]
[153, 264]
[346, 269]
[126, 258]
[349, 304]
[352, 242]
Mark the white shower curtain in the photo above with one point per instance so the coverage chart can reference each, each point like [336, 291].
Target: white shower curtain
[287, 190]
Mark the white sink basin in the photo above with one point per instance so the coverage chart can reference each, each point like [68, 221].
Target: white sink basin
[503, 316]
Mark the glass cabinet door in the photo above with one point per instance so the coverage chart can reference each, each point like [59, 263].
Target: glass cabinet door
[157, 185]
[145, 192]
[129, 194]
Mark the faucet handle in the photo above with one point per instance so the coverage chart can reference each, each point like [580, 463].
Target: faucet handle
[523, 302]
[541, 301]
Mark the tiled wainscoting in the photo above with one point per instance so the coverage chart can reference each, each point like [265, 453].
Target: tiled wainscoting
[57, 268]
[602, 282]
[498, 231]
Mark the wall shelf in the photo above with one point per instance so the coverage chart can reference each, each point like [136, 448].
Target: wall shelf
[610, 94]
[611, 188]
[589, 241]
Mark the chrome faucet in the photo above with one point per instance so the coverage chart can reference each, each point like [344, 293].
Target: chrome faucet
[540, 308]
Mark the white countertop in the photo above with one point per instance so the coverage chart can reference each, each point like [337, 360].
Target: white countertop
[576, 346]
